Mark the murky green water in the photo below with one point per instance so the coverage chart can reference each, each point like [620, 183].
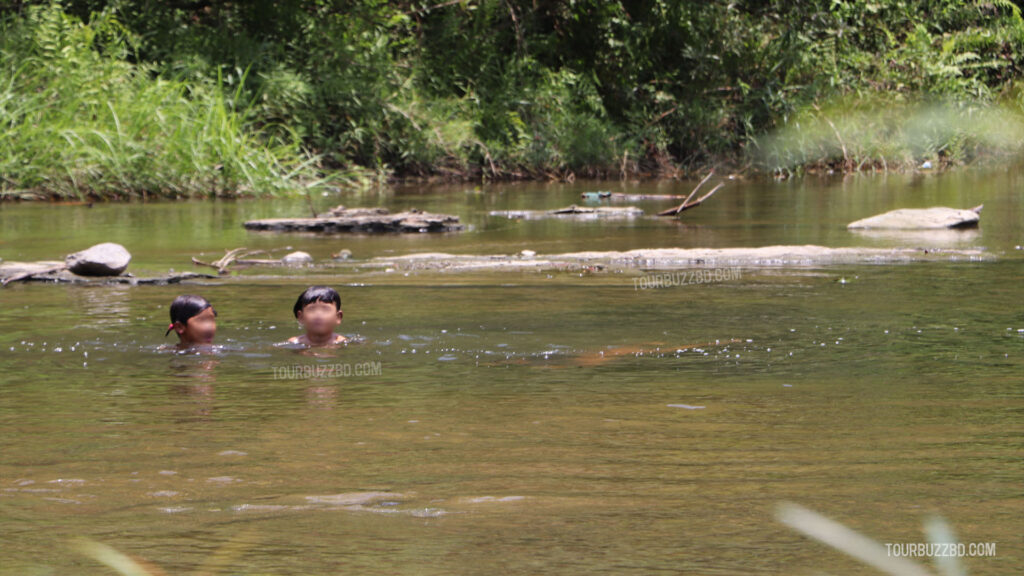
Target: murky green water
[482, 408]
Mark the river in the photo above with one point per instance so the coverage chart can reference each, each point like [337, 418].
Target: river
[528, 422]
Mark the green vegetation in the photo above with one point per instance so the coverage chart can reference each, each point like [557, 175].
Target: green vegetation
[77, 118]
[204, 97]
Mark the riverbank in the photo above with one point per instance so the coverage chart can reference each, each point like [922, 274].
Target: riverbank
[134, 100]
[130, 99]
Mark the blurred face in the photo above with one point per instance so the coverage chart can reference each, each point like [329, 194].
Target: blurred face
[200, 329]
[320, 318]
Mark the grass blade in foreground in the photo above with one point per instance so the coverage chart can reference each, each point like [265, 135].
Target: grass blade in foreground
[851, 542]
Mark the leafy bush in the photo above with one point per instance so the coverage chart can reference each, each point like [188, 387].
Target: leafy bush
[78, 119]
[518, 88]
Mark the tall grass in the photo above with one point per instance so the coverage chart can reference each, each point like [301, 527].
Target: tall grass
[222, 97]
[871, 134]
[79, 119]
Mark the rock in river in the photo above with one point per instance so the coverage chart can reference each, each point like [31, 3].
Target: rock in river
[297, 258]
[362, 220]
[107, 259]
[920, 219]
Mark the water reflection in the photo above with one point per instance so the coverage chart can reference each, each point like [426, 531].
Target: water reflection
[197, 377]
[947, 238]
[104, 307]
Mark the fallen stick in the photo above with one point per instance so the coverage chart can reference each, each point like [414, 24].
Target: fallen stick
[240, 257]
[214, 265]
[686, 205]
[259, 262]
[230, 257]
[699, 184]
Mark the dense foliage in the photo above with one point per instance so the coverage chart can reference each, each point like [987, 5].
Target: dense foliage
[194, 94]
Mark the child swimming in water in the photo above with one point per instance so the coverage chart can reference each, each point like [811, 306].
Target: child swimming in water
[194, 319]
[318, 310]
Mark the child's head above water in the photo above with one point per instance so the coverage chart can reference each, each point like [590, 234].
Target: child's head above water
[314, 294]
[318, 310]
[194, 319]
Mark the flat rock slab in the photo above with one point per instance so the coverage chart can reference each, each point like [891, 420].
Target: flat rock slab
[806, 255]
[920, 219]
[677, 258]
[585, 212]
[362, 220]
[11, 269]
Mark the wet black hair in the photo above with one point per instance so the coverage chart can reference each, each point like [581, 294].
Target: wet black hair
[186, 306]
[317, 294]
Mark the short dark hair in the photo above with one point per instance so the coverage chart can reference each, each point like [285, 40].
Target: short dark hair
[186, 306]
[317, 294]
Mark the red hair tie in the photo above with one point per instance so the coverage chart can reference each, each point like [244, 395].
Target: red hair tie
[169, 328]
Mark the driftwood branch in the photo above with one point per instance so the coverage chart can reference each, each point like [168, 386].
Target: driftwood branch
[699, 184]
[199, 262]
[225, 261]
[240, 257]
[258, 262]
[686, 205]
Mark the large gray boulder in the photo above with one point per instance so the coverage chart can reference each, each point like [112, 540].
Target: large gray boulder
[107, 259]
[920, 219]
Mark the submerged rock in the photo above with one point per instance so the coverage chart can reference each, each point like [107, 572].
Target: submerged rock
[920, 219]
[297, 258]
[107, 259]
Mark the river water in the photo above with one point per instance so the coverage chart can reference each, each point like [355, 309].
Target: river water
[546, 422]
